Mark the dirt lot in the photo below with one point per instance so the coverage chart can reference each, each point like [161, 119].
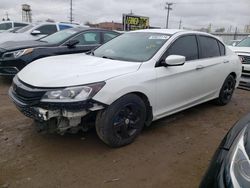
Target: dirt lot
[174, 152]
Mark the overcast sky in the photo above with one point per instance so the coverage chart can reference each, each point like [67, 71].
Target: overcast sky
[193, 13]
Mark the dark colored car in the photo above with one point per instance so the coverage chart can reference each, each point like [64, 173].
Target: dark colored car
[230, 166]
[16, 55]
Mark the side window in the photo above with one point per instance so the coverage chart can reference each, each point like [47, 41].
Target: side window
[5, 26]
[222, 49]
[62, 27]
[47, 29]
[88, 38]
[19, 24]
[185, 46]
[108, 36]
[209, 47]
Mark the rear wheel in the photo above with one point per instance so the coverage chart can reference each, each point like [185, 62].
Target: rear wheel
[226, 91]
[122, 121]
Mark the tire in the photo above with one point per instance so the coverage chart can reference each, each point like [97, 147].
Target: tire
[226, 91]
[120, 123]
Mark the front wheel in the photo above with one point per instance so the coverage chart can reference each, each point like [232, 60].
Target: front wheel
[122, 121]
[226, 91]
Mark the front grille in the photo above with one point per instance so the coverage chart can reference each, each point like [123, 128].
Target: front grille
[25, 93]
[1, 52]
[8, 70]
[246, 59]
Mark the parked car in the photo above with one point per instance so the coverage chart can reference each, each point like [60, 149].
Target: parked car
[136, 78]
[16, 55]
[34, 31]
[230, 166]
[243, 50]
[6, 25]
[233, 42]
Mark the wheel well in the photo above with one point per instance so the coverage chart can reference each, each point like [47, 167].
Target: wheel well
[233, 74]
[148, 107]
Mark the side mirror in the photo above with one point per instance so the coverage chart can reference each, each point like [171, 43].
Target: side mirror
[72, 43]
[36, 32]
[175, 60]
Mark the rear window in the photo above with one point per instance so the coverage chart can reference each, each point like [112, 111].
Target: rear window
[209, 47]
[222, 49]
[108, 36]
[62, 27]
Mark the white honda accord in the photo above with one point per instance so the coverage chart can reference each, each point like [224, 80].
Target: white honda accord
[127, 83]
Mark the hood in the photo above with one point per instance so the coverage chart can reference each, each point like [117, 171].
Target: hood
[73, 70]
[17, 45]
[4, 37]
[240, 49]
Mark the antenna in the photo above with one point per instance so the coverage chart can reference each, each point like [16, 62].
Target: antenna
[71, 19]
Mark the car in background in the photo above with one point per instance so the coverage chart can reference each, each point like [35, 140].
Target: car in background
[6, 25]
[233, 42]
[243, 51]
[16, 55]
[230, 165]
[34, 31]
[126, 83]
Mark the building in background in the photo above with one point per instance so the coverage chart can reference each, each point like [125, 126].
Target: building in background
[107, 25]
[247, 28]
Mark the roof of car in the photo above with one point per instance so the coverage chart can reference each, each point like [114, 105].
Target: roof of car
[170, 31]
[82, 28]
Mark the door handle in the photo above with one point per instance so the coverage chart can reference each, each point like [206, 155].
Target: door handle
[199, 67]
[226, 61]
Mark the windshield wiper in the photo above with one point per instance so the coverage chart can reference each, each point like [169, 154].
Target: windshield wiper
[105, 57]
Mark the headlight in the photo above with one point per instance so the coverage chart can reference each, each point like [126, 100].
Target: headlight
[73, 94]
[17, 54]
[240, 164]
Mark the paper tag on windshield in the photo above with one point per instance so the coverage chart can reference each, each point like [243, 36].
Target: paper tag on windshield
[158, 37]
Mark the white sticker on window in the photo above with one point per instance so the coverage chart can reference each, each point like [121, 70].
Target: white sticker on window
[158, 37]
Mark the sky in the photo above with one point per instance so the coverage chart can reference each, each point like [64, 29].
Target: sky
[192, 13]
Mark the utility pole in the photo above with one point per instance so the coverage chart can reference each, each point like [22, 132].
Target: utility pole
[235, 33]
[168, 8]
[71, 12]
[7, 16]
[180, 24]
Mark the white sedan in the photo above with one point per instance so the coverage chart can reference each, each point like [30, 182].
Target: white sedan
[127, 83]
[242, 49]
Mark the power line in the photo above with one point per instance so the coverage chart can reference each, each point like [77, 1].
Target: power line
[168, 8]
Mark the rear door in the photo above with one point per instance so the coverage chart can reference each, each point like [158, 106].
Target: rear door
[213, 62]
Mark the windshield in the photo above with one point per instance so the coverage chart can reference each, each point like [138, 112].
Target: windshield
[24, 29]
[137, 47]
[244, 43]
[59, 36]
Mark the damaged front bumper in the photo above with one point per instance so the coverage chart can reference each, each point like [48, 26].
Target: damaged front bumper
[64, 116]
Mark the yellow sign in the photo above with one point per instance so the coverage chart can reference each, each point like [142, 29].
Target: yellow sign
[132, 22]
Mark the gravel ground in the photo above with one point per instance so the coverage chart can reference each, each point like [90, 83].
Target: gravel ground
[173, 152]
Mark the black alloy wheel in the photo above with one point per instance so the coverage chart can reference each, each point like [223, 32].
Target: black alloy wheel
[121, 122]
